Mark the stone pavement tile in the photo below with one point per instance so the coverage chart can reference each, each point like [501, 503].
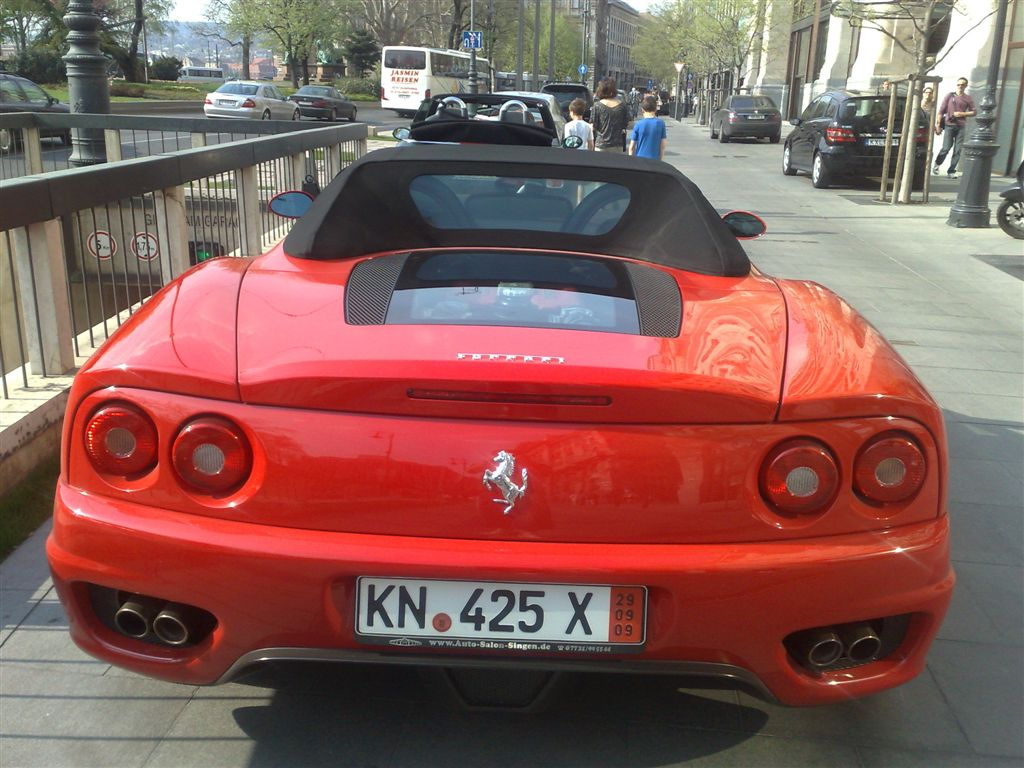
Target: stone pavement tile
[986, 533]
[992, 591]
[979, 481]
[963, 406]
[284, 728]
[912, 716]
[954, 339]
[984, 686]
[452, 738]
[26, 567]
[986, 440]
[971, 359]
[15, 605]
[900, 321]
[980, 382]
[56, 719]
[649, 698]
[880, 757]
[42, 643]
[658, 744]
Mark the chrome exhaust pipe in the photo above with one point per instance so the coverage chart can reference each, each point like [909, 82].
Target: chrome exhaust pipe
[172, 624]
[135, 615]
[862, 643]
[820, 648]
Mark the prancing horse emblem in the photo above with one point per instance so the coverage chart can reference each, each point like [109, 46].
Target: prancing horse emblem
[501, 478]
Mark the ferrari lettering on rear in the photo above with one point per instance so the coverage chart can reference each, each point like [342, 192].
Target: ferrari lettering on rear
[491, 356]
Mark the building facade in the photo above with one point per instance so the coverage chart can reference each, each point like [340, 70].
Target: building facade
[609, 30]
[801, 49]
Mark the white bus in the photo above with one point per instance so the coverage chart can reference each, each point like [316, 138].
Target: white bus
[200, 75]
[410, 74]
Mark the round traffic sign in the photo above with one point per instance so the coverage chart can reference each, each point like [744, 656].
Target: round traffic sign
[583, 69]
[101, 244]
[144, 246]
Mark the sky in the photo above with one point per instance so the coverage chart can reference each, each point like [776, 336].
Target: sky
[195, 10]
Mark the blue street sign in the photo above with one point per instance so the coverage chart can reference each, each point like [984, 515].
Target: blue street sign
[583, 69]
[650, 84]
[473, 40]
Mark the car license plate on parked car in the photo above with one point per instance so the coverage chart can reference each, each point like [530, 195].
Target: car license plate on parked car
[881, 142]
[225, 103]
[755, 117]
[568, 618]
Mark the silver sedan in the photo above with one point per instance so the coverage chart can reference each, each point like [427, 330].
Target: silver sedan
[250, 99]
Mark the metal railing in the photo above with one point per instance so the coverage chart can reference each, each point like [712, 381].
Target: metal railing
[33, 142]
[83, 249]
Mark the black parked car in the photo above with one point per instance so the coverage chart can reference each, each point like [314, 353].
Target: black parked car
[564, 93]
[843, 134]
[20, 95]
[747, 117]
[323, 102]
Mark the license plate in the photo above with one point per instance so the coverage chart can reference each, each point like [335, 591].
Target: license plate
[755, 117]
[880, 142]
[225, 103]
[513, 616]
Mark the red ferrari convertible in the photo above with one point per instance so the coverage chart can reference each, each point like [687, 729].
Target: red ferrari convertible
[492, 407]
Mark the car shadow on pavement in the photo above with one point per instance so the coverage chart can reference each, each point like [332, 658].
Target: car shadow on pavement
[388, 715]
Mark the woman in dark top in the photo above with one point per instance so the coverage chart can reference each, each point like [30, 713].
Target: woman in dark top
[610, 118]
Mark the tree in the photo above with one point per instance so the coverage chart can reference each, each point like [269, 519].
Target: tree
[361, 51]
[920, 29]
[165, 68]
[241, 22]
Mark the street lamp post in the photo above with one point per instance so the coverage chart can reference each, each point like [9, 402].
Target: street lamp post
[679, 78]
[87, 80]
[971, 207]
[474, 86]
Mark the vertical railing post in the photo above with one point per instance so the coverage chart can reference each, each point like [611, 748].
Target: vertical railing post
[112, 142]
[249, 219]
[298, 164]
[33, 150]
[172, 228]
[43, 291]
[334, 160]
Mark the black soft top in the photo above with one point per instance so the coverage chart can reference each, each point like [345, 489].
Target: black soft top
[369, 208]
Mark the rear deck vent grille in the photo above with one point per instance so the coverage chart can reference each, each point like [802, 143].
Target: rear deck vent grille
[370, 287]
[658, 301]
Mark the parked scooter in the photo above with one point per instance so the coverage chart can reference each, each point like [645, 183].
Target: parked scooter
[1010, 213]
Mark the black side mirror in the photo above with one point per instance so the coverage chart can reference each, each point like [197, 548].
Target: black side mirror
[745, 225]
[401, 133]
[795, 121]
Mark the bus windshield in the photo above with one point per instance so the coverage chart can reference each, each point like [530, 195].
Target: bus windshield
[404, 58]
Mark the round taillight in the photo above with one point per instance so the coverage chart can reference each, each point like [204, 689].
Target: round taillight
[889, 469]
[799, 477]
[121, 440]
[211, 455]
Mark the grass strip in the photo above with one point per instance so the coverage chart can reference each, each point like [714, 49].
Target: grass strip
[27, 505]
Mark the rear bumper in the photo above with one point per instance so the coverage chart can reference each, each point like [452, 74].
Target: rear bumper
[755, 129]
[840, 162]
[307, 111]
[243, 114]
[719, 609]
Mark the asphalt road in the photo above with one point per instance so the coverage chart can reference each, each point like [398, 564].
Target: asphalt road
[950, 302]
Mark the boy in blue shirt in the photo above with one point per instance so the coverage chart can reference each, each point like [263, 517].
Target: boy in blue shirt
[648, 137]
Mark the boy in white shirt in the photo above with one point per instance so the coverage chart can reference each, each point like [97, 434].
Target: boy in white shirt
[578, 126]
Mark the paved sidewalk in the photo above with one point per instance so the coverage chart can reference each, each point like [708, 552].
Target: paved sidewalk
[952, 301]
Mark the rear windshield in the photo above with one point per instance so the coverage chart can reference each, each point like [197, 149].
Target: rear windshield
[405, 59]
[752, 102]
[514, 289]
[313, 90]
[239, 88]
[870, 109]
[501, 202]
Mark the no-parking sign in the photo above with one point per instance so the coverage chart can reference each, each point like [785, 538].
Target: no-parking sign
[102, 244]
[144, 246]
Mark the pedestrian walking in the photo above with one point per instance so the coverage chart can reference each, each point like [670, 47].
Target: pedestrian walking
[648, 137]
[578, 126]
[609, 117]
[951, 122]
[634, 102]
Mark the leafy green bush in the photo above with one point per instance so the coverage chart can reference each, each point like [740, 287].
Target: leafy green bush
[39, 65]
[165, 68]
[357, 86]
